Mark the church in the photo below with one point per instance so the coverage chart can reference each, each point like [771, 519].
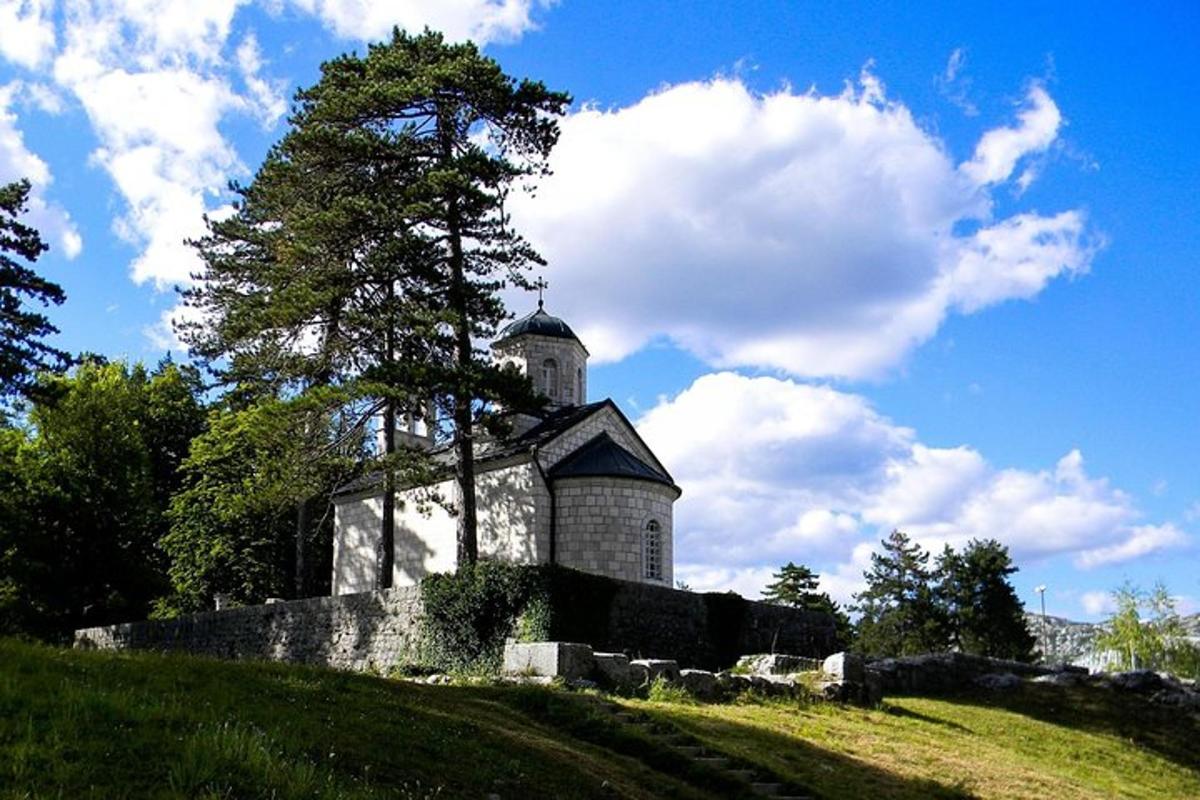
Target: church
[574, 486]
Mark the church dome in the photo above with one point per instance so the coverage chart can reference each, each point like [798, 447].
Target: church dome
[539, 323]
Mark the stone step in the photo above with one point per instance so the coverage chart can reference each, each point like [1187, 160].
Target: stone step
[747, 775]
[767, 789]
[689, 750]
[715, 762]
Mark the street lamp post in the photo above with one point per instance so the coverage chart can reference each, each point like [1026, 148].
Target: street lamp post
[1041, 590]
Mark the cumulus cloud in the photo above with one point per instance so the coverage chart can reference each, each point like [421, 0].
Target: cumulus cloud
[17, 161]
[26, 31]
[482, 21]
[157, 80]
[774, 469]
[821, 235]
[153, 83]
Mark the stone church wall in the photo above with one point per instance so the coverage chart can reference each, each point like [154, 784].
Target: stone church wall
[600, 524]
[370, 631]
[513, 524]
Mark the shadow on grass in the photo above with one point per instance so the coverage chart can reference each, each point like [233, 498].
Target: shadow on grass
[1169, 732]
[908, 713]
[814, 770]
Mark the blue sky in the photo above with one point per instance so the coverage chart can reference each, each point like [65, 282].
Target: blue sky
[848, 268]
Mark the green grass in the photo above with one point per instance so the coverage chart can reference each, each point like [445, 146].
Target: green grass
[102, 725]
[1036, 742]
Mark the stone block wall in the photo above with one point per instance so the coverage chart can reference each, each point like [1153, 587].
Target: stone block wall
[369, 631]
[379, 630]
[531, 352]
[708, 631]
[599, 525]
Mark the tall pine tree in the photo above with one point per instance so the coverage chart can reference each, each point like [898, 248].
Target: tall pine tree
[368, 252]
[982, 610]
[899, 613]
[797, 586]
[23, 351]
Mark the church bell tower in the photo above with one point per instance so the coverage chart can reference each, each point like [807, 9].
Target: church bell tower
[548, 351]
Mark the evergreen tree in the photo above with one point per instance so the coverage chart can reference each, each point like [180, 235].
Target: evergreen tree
[796, 586]
[23, 353]
[899, 614]
[984, 615]
[369, 250]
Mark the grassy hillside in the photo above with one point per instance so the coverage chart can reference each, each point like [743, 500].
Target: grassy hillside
[100, 725]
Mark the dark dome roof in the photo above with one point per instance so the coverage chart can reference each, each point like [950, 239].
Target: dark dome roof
[539, 323]
[602, 457]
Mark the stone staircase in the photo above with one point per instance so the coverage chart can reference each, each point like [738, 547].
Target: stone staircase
[758, 780]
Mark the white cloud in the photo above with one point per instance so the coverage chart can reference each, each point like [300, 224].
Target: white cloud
[18, 161]
[268, 94]
[482, 21]
[999, 150]
[953, 83]
[26, 31]
[151, 78]
[774, 470]
[821, 235]
[157, 78]
[1096, 603]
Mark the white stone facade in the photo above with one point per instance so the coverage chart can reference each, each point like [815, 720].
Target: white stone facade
[513, 522]
[606, 509]
[602, 525]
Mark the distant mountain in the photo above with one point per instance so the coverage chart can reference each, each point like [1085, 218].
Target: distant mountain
[1074, 642]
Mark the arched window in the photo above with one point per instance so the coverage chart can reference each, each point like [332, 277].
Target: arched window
[550, 378]
[652, 559]
[579, 385]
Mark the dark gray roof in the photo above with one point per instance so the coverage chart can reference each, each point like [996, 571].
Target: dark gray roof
[548, 428]
[601, 456]
[539, 323]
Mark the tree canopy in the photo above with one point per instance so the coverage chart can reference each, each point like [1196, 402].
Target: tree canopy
[899, 613]
[797, 586]
[369, 250]
[87, 478]
[983, 613]
[23, 350]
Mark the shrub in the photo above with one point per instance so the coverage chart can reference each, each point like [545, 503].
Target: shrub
[469, 614]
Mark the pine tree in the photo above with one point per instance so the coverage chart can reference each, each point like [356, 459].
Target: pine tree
[23, 353]
[984, 615]
[368, 252]
[899, 613]
[796, 586]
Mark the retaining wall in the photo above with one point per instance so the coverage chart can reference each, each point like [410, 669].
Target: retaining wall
[378, 630]
[372, 630]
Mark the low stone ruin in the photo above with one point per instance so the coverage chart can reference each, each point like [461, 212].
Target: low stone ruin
[841, 677]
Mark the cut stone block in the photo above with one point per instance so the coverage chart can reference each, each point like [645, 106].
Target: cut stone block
[612, 670]
[844, 668]
[549, 659]
[699, 683]
[773, 664]
[657, 668]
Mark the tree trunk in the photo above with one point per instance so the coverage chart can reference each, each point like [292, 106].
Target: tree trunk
[301, 540]
[468, 546]
[386, 551]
